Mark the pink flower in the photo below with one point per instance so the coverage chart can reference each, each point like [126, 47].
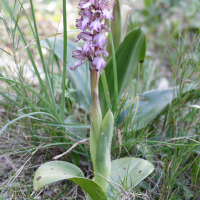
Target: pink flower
[107, 14]
[79, 57]
[85, 23]
[100, 39]
[82, 2]
[87, 5]
[96, 25]
[87, 46]
[77, 64]
[92, 2]
[86, 36]
[101, 52]
[107, 4]
[99, 63]
[79, 23]
[92, 23]
[86, 13]
[77, 54]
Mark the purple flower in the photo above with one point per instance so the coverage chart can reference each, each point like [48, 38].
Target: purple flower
[76, 51]
[79, 57]
[92, 23]
[87, 5]
[87, 47]
[99, 63]
[96, 25]
[92, 2]
[86, 36]
[99, 39]
[106, 4]
[107, 14]
[79, 23]
[77, 64]
[82, 2]
[101, 52]
[77, 54]
[85, 23]
[86, 13]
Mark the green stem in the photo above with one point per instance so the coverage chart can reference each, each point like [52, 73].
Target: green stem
[96, 116]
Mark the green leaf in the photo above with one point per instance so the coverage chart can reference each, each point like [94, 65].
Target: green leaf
[129, 172]
[129, 53]
[195, 172]
[115, 28]
[146, 151]
[77, 131]
[103, 160]
[148, 3]
[58, 170]
[75, 158]
[2, 197]
[197, 149]
[151, 104]
[78, 77]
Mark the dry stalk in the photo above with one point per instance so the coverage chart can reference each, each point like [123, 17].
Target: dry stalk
[73, 146]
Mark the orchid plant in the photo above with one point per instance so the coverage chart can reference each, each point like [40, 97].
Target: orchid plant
[94, 24]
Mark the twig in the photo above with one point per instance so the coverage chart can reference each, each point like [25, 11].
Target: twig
[73, 146]
[181, 138]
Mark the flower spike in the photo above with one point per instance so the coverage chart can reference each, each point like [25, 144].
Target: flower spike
[92, 23]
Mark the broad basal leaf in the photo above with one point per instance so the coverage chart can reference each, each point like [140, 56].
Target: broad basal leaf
[128, 172]
[129, 53]
[58, 170]
[103, 160]
[146, 151]
[75, 131]
[151, 104]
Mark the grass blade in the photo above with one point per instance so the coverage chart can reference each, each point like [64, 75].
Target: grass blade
[9, 81]
[64, 59]
[68, 125]
[42, 58]
[48, 105]
[24, 116]
[29, 22]
[114, 69]
[9, 99]
[86, 91]
[106, 90]
[28, 51]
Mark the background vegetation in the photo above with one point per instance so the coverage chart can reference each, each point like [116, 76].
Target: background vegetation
[170, 140]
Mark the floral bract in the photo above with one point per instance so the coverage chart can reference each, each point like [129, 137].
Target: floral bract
[93, 25]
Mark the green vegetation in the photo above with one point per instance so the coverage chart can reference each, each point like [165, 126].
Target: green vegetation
[153, 92]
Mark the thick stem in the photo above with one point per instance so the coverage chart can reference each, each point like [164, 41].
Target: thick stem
[94, 80]
[96, 116]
